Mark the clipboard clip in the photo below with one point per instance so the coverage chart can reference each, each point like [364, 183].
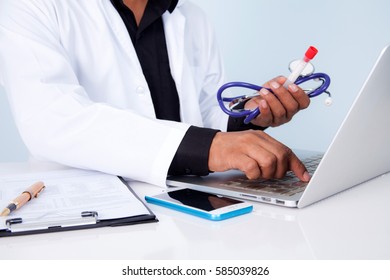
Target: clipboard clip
[20, 225]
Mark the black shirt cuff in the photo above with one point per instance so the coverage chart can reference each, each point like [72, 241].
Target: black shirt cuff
[237, 124]
[192, 156]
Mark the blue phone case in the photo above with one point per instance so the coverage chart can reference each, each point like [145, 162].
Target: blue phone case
[198, 213]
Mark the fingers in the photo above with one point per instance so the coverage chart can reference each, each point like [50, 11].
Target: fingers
[273, 157]
[249, 166]
[274, 162]
[296, 92]
[279, 111]
[282, 103]
[255, 153]
[298, 168]
[279, 107]
[266, 118]
[299, 96]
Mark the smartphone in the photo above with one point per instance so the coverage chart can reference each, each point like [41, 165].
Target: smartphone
[205, 205]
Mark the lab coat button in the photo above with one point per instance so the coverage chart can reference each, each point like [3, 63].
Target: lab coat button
[140, 90]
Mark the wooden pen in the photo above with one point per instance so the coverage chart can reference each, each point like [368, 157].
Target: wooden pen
[32, 192]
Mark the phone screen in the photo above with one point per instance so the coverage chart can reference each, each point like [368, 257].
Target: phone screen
[200, 200]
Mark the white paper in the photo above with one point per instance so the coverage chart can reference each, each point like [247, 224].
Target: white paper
[67, 193]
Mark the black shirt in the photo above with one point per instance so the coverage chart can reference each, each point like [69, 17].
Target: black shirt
[149, 42]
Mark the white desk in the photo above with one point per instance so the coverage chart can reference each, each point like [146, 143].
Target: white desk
[352, 225]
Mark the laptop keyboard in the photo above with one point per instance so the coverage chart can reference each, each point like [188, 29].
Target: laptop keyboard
[287, 186]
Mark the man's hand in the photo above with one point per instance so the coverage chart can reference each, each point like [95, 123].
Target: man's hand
[255, 153]
[280, 107]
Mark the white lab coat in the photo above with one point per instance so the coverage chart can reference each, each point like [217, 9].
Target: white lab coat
[78, 93]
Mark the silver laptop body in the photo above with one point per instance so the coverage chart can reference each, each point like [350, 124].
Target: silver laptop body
[359, 152]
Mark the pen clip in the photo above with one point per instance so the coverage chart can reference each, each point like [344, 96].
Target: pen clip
[39, 192]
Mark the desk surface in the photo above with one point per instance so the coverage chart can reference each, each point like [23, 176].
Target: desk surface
[354, 224]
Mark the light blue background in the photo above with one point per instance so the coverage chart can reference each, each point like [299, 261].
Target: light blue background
[258, 39]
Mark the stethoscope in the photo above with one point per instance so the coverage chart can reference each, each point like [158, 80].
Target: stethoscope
[235, 108]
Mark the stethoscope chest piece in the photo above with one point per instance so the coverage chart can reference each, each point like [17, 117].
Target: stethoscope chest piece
[308, 70]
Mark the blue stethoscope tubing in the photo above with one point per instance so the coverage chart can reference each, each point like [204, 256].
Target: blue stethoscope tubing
[251, 114]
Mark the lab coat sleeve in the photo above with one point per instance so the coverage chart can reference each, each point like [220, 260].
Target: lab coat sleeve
[54, 115]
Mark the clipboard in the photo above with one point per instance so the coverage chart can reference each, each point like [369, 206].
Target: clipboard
[73, 199]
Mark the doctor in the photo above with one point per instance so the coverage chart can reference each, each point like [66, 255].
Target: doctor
[128, 88]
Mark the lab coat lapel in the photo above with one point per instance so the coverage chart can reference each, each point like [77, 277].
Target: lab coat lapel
[175, 28]
[121, 34]
[174, 25]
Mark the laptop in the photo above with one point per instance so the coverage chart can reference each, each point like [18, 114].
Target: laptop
[359, 152]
